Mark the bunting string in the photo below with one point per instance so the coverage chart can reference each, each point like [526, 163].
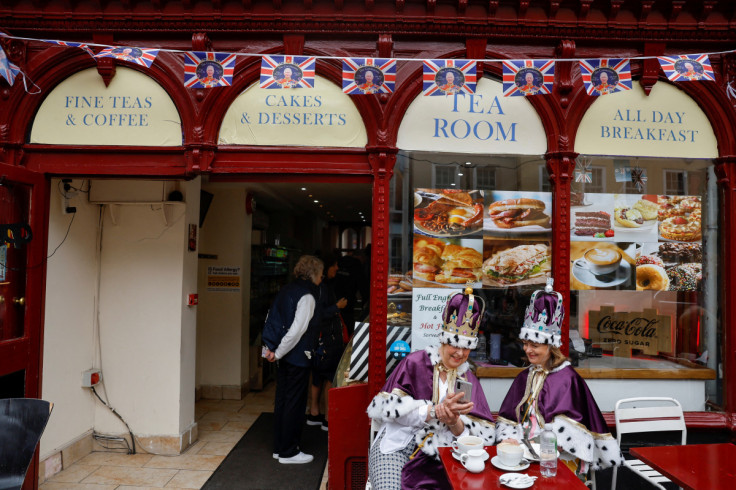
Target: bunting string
[365, 76]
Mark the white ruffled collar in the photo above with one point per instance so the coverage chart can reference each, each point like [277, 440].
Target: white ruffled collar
[434, 357]
[562, 366]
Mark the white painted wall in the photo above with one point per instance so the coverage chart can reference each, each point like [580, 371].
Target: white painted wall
[146, 333]
[71, 278]
[223, 316]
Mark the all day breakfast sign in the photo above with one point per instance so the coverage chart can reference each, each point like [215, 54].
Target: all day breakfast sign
[666, 123]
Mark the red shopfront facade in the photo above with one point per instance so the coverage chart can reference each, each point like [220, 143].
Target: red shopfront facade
[406, 30]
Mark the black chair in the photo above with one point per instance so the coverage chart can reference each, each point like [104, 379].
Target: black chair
[22, 421]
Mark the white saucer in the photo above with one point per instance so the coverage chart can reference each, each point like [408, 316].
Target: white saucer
[456, 455]
[496, 461]
[515, 483]
[619, 276]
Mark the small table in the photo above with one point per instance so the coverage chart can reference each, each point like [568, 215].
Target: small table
[462, 479]
[696, 466]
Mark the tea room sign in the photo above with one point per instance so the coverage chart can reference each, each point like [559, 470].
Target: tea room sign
[621, 331]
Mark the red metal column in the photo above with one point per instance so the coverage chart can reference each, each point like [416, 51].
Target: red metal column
[382, 164]
[560, 166]
[726, 172]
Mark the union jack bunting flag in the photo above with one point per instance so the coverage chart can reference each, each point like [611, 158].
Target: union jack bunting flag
[208, 70]
[605, 76]
[528, 77]
[687, 67]
[141, 56]
[448, 77]
[7, 69]
[71, 45]
[368, 75]
[287, 72]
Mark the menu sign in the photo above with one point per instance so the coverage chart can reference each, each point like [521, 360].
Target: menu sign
[636, 242]
[620, 332]
[427, 306]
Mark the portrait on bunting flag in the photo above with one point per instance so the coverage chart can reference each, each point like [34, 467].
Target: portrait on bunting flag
[127, 54]
[209, 73]
[287, 75]
[364, 76]
[529, 81]
[450, 80]
[690, 69]
[604, 80]
[369, 79]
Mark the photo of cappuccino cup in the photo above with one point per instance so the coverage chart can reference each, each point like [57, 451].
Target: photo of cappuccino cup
[600, 261]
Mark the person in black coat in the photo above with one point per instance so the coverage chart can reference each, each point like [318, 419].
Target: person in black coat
[287, 339]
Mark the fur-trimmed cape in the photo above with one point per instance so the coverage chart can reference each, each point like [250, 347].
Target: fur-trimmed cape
[566, 404]
[409, 387]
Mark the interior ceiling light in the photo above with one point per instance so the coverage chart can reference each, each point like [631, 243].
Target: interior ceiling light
[468, 163]
[452, 183]
[316, 200]
[460, 174]
[304, 188]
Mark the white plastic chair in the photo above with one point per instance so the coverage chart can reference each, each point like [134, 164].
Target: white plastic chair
[647, 414]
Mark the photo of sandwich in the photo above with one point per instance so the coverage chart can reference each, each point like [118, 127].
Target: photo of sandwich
[510, 264]
[446, 262]
[460, 265]
[514, 214]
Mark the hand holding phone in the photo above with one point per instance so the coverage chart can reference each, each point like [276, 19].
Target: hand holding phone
[466, 387]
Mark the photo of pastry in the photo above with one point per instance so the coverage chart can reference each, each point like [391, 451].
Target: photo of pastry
[669, 266]
[510, 213]
[593, 221]
[635, 217]
[454, 262]
[601, 265]
[448, 212]
[680, 218]
[400, 284]
[515, 263]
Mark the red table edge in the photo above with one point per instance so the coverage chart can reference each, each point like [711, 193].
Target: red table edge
[634, 451]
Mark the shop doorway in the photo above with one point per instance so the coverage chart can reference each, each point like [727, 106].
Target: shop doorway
[273, 224]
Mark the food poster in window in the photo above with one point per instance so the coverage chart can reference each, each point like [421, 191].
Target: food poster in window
[513, 214]
[603, 265]
[448, 212]
[635, 217]
[670, 266]
[515, 263]
[591, 217]
[447, 262]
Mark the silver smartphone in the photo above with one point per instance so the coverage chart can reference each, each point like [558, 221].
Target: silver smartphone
[466, 387]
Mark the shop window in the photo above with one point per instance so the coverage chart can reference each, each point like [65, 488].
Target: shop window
[544, 184]
[644, 272]
[496, 216]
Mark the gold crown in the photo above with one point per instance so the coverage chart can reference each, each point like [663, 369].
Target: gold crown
[470, 322]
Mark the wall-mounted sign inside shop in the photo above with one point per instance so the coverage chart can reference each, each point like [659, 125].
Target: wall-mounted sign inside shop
[621, 331]
[320, 116]
[483, 122]
[132, 111]
[223, 278]
[667, 123]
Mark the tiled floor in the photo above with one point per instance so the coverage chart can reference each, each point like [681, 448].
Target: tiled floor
[221, 425]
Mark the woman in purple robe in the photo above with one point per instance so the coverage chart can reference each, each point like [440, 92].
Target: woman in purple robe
[552, 394]
[419, 411]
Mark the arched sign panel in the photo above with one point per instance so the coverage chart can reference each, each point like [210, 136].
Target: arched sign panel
[485, 122]
[133, 110]
[667, 123]
[321, 116]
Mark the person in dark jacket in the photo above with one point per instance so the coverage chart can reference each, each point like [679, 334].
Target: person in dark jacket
[328, 341]
[287, 340]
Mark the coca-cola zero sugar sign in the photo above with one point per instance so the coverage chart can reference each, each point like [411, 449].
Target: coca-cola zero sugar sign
[621, 331]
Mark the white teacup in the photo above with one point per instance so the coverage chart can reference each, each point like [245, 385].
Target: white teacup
[600, 260]
[510, 454]
[467, 443]
[474, 460]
